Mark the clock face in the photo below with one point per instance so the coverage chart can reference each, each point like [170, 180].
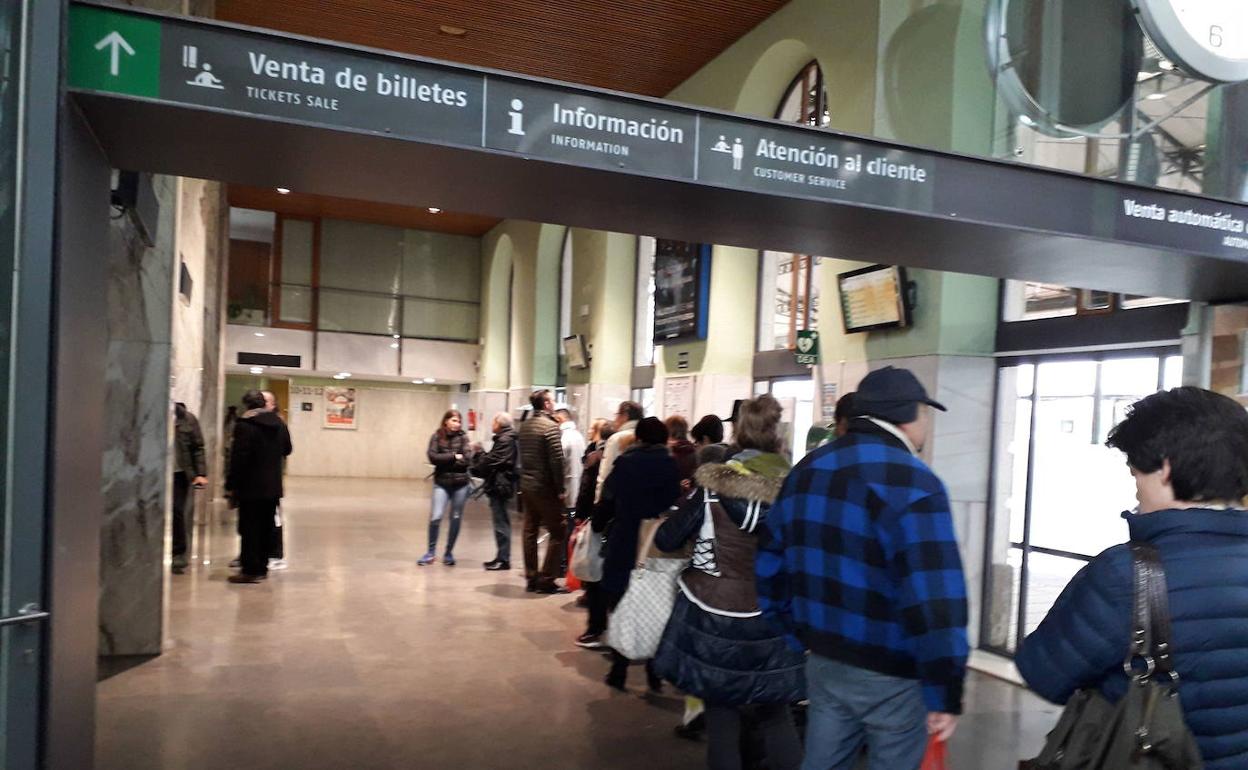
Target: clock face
[1208, 38]
[1218, 26]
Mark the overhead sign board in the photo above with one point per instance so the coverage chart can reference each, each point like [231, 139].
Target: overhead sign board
[213, 66]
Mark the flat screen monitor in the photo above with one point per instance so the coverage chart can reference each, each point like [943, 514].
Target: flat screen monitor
[575, 353]
[874, 298]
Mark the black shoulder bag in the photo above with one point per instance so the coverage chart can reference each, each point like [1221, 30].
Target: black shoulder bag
[1145, 730]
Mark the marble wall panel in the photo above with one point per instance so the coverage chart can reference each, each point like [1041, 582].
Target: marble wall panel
[390, 440]
[135, 463]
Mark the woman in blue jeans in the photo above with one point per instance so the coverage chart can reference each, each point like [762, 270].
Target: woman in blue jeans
[451, 457]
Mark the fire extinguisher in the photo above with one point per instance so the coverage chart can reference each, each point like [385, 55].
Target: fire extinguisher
[472, 419]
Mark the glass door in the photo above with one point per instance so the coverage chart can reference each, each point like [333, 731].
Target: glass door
[1058, 490]
[797, 397]
[22, 620]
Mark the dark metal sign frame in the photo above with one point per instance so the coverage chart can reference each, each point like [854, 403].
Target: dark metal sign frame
[218, 80]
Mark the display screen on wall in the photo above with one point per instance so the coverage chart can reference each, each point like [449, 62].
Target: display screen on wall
[874, 298]
[682, 290]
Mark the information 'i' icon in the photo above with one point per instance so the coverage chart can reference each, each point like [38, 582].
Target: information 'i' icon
[517, 118]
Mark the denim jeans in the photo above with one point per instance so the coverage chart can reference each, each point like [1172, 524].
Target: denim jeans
[441, 496]
[502, 529]
[850, 706]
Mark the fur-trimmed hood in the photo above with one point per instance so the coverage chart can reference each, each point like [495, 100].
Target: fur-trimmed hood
[756, 479]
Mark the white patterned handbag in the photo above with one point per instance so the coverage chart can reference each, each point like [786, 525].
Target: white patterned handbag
[636, 626]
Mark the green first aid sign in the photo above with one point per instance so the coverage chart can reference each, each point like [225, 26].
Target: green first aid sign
[807, 350]
[112, 51]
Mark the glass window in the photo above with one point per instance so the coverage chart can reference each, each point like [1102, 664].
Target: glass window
[565, 290]
[806, 99]
[342, 311]
[297, 244]
[441, 266]
[295, 304]
[797, 397]
[788, 298]
[645, 397]
[1066, 378]
[362, 256]
[435, 319]
[644, 350]
[250, 266]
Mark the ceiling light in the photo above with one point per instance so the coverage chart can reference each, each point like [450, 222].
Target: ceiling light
[342, 375]
[418, 382]
[1166, 65]
[394, 345]
[395, 336]
[429, 380]
[257, 370]
[435, 210]
[1026, 121]
[1156, 96]
[259, 334]
[284, 190]
[447, 29]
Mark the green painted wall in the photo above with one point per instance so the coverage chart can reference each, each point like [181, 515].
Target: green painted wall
[912, 71]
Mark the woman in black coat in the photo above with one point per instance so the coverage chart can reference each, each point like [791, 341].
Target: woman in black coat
[643, 484]
[451, 456]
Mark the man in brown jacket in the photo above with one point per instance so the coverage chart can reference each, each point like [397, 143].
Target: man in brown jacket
[541, 483]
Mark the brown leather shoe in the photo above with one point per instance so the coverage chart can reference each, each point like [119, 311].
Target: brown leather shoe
[242, 578]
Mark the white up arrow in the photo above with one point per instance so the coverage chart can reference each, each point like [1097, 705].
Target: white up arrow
[117, 43]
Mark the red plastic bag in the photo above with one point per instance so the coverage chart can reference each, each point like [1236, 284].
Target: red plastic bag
[570, 581]
[934, 759]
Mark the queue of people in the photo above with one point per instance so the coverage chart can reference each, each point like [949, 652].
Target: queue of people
[835, 588]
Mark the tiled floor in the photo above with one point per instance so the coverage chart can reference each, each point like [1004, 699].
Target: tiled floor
[355, 658]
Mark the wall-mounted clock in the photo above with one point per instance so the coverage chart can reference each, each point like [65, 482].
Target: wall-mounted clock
[1207, 38]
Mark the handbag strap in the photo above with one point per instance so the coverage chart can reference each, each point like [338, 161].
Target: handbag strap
[646, 543]
[1151, 632]
[1159, 611]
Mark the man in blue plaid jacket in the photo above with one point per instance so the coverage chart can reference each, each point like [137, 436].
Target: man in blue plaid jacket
[860, 564]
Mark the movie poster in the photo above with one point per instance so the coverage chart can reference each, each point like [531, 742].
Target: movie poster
[340, 408]
[681, 289]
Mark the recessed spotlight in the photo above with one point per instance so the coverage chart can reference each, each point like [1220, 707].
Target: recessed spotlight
[259, 334]
[1026, 121]
[394, 345]
[429, 380]
[342, 375]
[453, 31]
[283, 190]
[257, 370]
[435, 210]
[418, 382]
[1154, 97]
[395, 336]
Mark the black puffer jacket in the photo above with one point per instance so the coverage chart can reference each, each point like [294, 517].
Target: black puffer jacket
[260, 442]
[448, 471]
[497, 467]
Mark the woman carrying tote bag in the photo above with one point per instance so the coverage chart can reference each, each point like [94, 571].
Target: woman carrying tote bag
[717, 646]
[644, 482]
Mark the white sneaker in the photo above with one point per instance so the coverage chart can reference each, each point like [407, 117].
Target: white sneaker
[278, 564]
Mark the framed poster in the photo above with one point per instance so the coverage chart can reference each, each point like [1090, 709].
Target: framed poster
[682, 290]
[678, 397]
[340, 406]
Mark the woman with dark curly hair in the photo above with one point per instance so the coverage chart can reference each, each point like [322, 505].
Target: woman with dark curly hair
[1188, 451]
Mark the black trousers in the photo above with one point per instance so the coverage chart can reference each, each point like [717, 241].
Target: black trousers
[601, 603]
[774, 721]
[277, 545]
[181, 528]
[255, 524]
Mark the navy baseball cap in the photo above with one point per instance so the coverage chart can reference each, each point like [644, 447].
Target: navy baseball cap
[892, 395]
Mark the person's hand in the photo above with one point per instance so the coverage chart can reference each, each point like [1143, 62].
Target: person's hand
[459, 458]
[199, 482]
[686, 486]
[941, 725]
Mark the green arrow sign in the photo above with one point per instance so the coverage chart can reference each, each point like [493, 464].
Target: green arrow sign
[112, 51]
